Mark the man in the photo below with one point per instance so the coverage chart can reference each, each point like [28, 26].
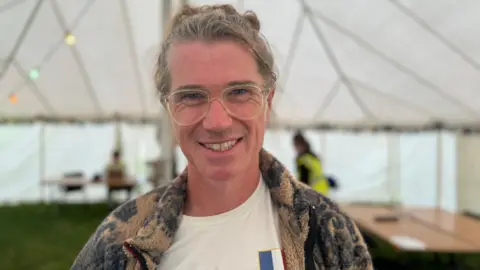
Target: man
[235, 206]
[116, 178]
[116, 164]
[309, 166]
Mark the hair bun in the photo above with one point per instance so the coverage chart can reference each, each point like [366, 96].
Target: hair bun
[252, 20]
[188, 11]
[226, 8]
[184, 13]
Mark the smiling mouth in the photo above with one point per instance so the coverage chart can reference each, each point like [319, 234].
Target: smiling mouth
[221, 147]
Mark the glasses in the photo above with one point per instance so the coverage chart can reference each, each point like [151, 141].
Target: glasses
[189, 106]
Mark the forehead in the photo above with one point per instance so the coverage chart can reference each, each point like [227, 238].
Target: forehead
[211, 64]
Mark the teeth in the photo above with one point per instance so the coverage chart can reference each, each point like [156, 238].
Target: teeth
[219, 147]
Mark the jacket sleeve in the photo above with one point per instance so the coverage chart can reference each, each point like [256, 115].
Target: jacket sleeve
[340, 244]
[100, 245]
[89, 257]
[303, 174]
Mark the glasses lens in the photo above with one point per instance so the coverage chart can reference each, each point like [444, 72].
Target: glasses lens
[188, 106]
[244, 102]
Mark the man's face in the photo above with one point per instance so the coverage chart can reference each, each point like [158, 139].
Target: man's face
[214, 66]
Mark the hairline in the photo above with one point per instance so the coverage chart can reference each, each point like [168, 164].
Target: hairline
[175, 41]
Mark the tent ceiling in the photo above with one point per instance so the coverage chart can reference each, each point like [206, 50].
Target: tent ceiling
[346, 62]
[109, 70]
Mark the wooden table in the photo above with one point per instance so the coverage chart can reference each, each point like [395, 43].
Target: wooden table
[68, 184]
[65, 181]
[460, 226]
[120, 184]
[432, 240]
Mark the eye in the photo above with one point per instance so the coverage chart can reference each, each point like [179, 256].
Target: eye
[239, 91]
[189, 97]
[240, 94]
[244, 93]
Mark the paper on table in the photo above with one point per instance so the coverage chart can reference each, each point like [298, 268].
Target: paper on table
[408, 242]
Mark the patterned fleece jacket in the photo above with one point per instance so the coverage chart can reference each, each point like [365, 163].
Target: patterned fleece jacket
[315, 234]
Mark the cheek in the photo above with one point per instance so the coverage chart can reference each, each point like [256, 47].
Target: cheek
[183, 136]
[257, 130]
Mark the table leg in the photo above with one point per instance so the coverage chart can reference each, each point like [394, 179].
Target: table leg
[110, 198]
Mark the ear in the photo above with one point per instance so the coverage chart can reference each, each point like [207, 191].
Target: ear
[268, 109]
[270, 98]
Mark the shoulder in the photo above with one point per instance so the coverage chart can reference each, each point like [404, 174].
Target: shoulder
[308, 158]
[130, 216]
[338, 240]
[303, 158]
[121, 224]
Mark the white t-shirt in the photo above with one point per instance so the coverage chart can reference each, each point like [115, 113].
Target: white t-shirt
[245, 238]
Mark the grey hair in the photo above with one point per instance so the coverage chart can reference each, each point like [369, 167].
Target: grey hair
[216, 23]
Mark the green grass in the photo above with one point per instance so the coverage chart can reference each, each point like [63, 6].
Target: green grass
[46, 237]
[49, 237]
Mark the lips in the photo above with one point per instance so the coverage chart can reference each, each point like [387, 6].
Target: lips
[221, 146]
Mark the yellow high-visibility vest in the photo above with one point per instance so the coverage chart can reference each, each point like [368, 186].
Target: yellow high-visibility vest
[316, 178]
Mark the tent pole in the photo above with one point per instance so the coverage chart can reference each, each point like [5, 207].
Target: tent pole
[240, 4]
[166, 11]
[43, 184]
[439, 166]
[393, 168]
[166, 140]
[323, 147]
[167, 149]
[138, 129]
[390, 179]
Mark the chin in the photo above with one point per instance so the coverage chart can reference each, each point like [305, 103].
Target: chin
[222, 173]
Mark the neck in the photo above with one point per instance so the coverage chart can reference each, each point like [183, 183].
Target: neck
[206, 197]
[305, 151]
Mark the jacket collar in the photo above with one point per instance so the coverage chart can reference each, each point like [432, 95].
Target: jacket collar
[157, 234]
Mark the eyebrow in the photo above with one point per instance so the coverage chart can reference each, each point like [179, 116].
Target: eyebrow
[198, 86]
[234, 83]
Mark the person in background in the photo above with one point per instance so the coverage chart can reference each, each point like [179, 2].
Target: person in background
[309, 166]
[116, 164]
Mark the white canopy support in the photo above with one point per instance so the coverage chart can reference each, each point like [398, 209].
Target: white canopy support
[167, 147]
[348, 64]
[439, 167]
[42, 166]
[394, 167]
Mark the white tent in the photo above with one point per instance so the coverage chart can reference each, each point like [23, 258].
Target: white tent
[346, 63]
[109, 71]
[404, 63]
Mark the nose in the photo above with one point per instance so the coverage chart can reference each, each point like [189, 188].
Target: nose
[217, 118]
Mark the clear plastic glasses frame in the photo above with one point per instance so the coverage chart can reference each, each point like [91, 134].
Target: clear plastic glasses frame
[190, 106]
